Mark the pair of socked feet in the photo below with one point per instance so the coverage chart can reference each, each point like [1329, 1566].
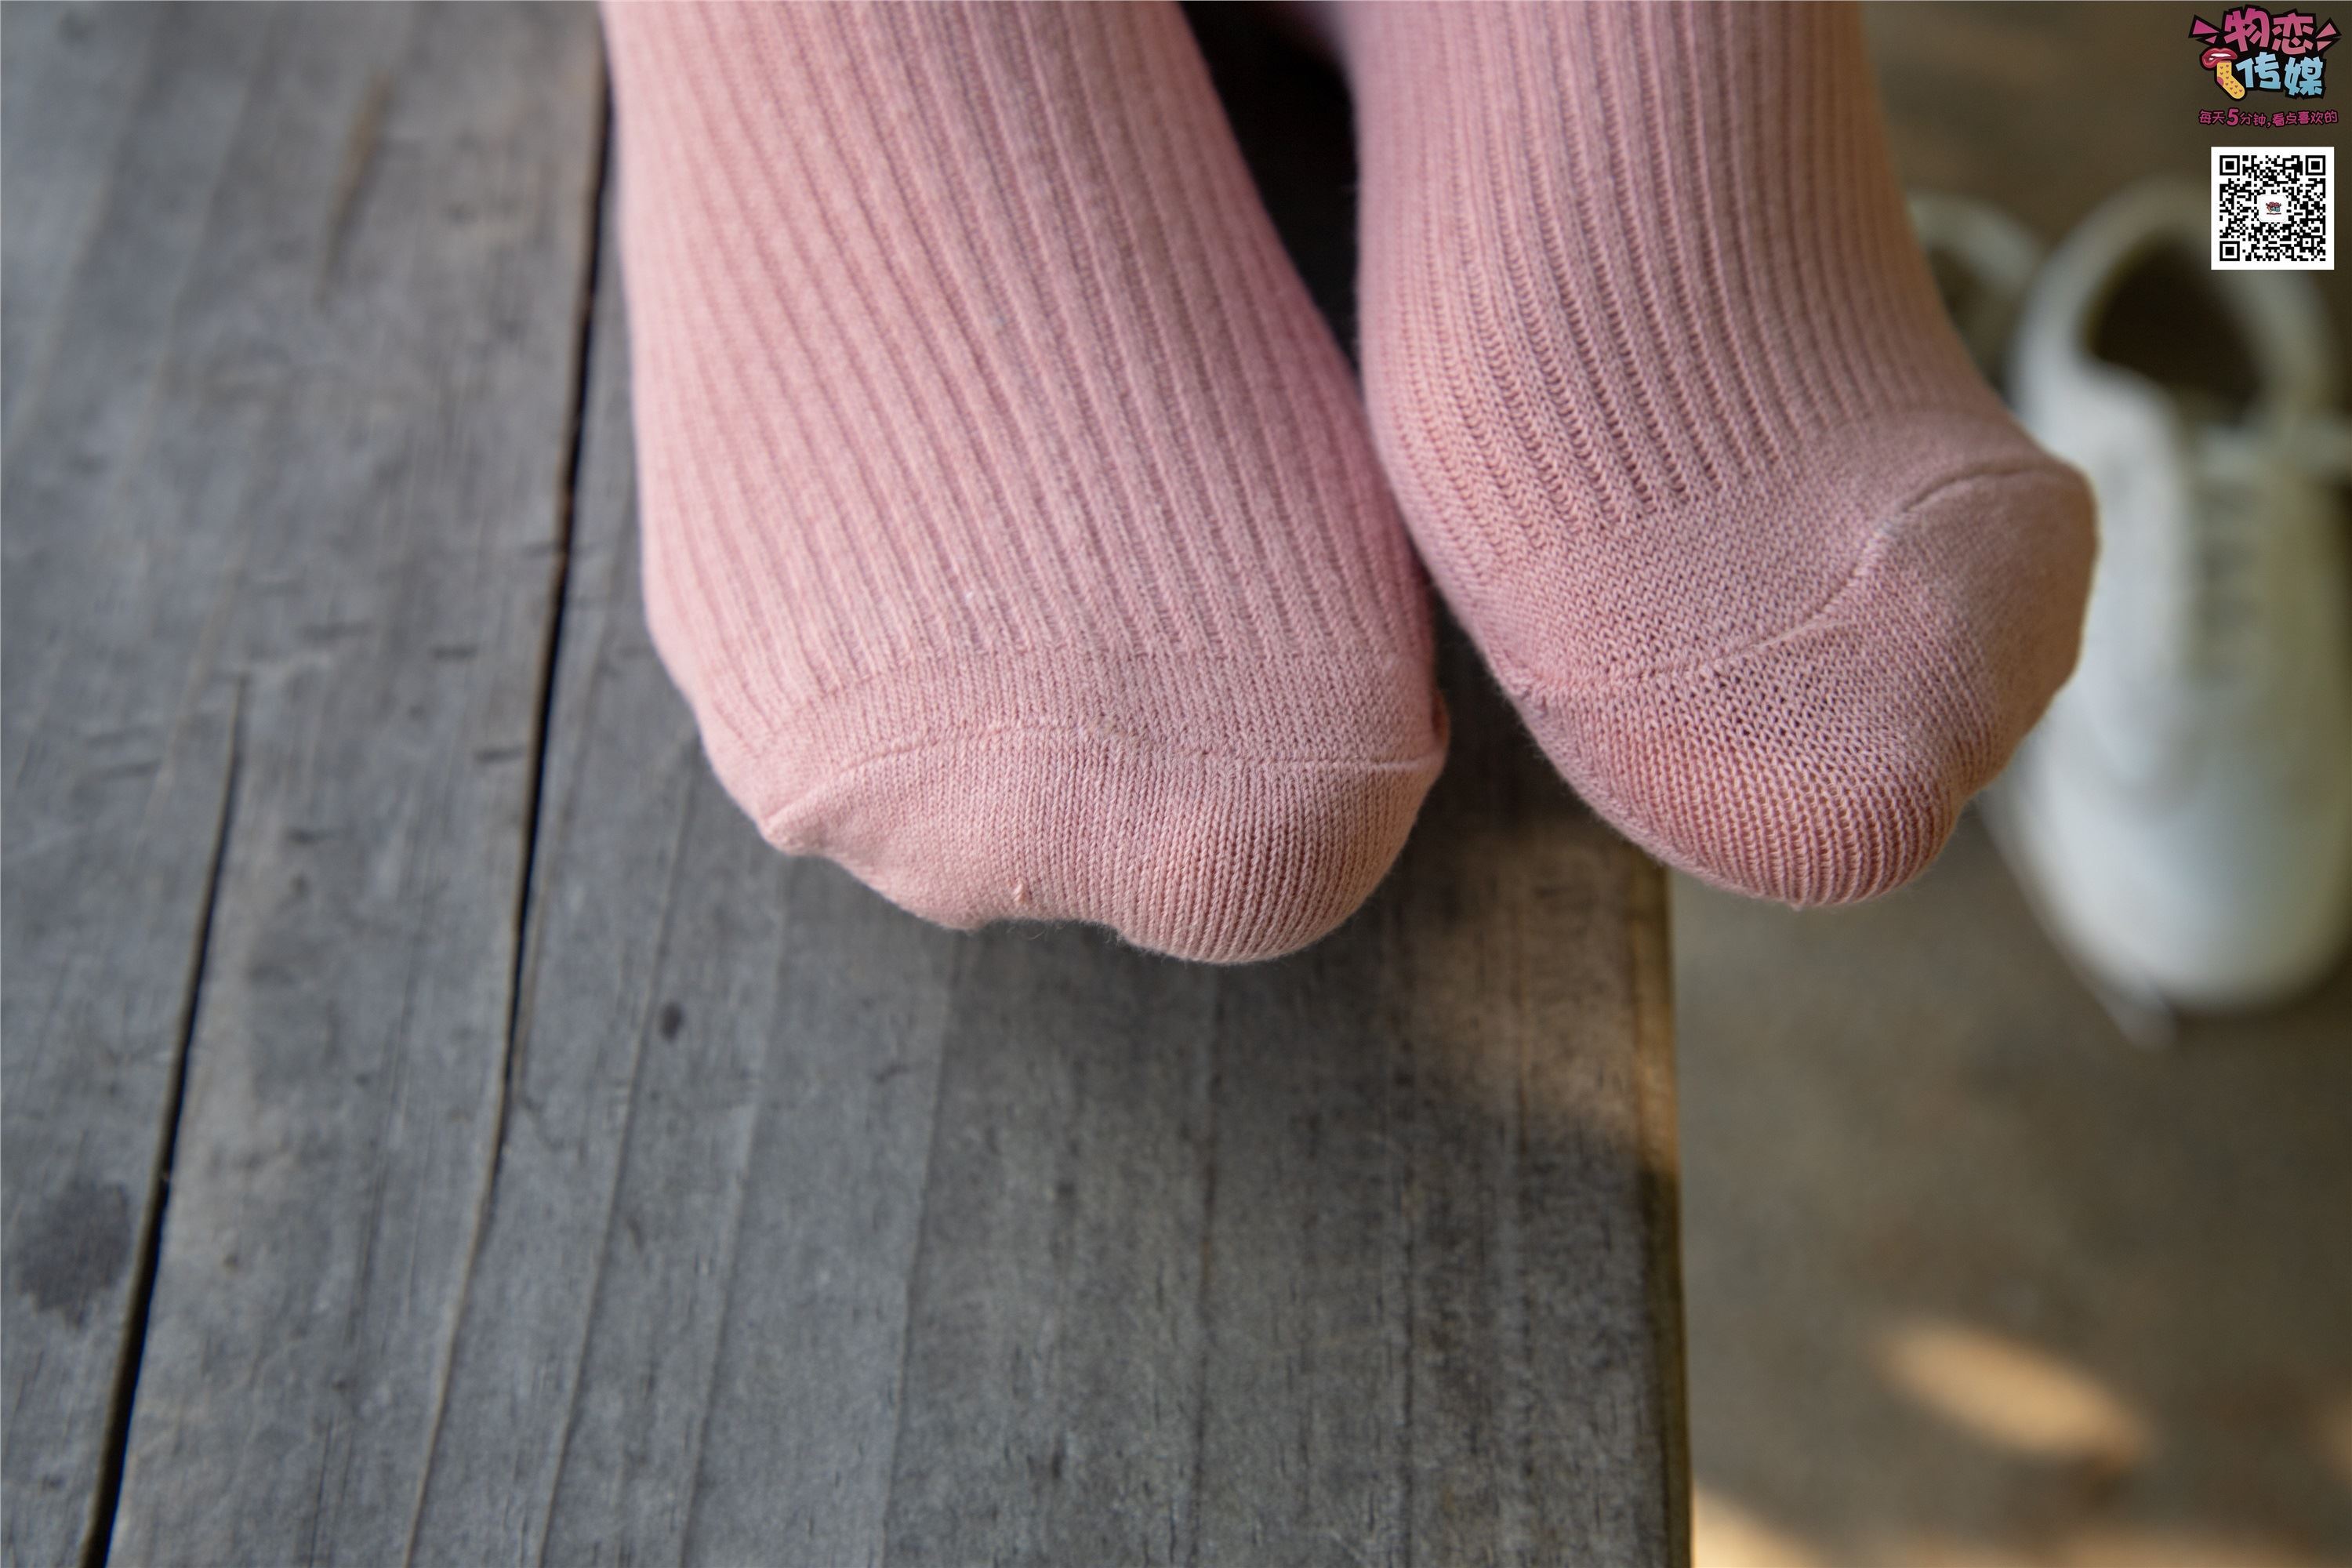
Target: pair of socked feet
[1024, 543]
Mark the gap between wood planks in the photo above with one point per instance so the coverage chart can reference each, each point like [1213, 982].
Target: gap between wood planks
[107, 1494]
[591, 278]
[106, 1497]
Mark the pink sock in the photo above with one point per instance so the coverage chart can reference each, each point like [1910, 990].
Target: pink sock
[1010, 519]
[1675, 418]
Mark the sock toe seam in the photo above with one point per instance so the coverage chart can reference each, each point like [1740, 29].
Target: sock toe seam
[1545, 689]
[1000, 736]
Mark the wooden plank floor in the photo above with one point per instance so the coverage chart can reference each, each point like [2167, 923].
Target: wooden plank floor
[438, 1130]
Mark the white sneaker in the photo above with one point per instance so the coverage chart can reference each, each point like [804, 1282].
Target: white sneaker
[2182, 817]
[1982, 260]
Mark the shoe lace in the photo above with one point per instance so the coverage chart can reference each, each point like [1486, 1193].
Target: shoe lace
[2234, 472]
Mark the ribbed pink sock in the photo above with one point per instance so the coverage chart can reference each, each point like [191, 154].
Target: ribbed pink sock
[1010, 519]
[1676, 420]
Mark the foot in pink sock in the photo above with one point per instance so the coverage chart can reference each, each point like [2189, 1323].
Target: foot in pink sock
[1677, 423]
[1010, 522]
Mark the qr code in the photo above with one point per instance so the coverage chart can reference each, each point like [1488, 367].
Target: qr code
[2274, 207]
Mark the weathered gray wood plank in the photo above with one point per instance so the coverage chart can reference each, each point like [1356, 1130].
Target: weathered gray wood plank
[70, 85]
[1345, 1258]
[299, 456]
[821, 1236]
[346, 1064]
[593, 1415]
[115, 558]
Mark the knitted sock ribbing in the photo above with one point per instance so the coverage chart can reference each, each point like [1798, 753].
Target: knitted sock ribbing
[1010, 522]
[1678, 424]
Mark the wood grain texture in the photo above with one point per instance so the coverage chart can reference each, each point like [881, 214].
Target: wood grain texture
[75, 78]
[119, 545]
[760, 1222]
[284, 492]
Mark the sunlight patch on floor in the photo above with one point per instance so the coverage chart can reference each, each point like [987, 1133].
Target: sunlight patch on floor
[2010, 1394]
[1726, 1535]
[2098, 1547]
